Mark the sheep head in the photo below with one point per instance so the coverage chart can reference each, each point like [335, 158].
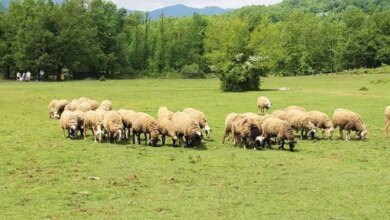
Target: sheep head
[363, 133]
[154, 138]
[72, 130]
[207, 130]
[292, 144]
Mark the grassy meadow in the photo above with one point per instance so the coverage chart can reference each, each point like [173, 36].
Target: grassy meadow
[44, 175]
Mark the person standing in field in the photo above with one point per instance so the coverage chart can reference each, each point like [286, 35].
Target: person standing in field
[18, 76]
[28, 76]
[41, 75]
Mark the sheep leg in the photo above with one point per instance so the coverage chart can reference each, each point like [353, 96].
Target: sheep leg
[323, 134]
[348, 136]
[245, 142]
[133, 137]
[139, 138]
[301, 134]
[282, 146]
[341, 133]
[163, 139]
[146, 138]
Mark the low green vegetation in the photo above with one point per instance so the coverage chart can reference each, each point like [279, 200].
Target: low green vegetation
[44, 175]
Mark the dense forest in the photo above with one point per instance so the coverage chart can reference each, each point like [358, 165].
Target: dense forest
[95, 38]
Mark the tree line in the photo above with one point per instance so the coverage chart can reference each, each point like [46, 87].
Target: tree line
[96, 38]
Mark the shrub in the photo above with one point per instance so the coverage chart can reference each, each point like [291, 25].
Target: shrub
[102, 78]
[192, 71]
[243, 74]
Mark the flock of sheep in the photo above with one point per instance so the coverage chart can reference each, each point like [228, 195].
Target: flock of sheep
[250, 129]
[83, 114]
[247, 130]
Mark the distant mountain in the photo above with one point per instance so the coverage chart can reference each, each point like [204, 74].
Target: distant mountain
[180, 10]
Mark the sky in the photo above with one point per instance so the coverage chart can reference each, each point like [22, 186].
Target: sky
[148, 5]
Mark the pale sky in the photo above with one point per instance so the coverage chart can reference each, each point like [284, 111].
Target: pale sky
[148, 5]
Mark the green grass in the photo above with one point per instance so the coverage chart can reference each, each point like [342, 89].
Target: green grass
[43, 175]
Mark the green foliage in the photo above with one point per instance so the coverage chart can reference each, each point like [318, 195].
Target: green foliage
[192, 71]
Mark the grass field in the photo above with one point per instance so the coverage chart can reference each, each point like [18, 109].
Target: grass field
[43, 175]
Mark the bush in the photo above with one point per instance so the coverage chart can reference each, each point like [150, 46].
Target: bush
[102, 78]
[192, 71]
[244, 74]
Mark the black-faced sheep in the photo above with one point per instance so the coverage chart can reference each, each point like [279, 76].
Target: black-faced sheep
[68, 122]
[199, 117]
[94, 121]
[56, 107]
[349, 121]
[228, 126]
[322, 121]
[264, 104]
[145, 124]
[113, 125]
[387, 120]
[187, 128]
[300, 120]
[281, 129]
[245, 131]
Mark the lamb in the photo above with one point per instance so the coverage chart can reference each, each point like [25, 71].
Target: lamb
[80, 121]
[264, 104]
[73, 105]
[387, 122]
[322, 121]
[187, 128]
[94, 121]
[300, 120]
[128, 118]
[281, 129]
[199, 117]
[112, 123]
[228, 125]
[166, 128]
[245, 131]
[349, 121]
[56, 107]
[146, 124]
[164, 112]
[68, 121]
[294, 107]
[106, 105]
[280, 114]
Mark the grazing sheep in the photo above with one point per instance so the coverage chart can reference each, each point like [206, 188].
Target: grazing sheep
[93, 104]
[323, 122]
[84, 107]
[228, 126]
[73, 105]
[106, 105]
[80, 121]
[264, 104]
[349, 121]
[294, 107]
[280, 114]
[145, 124]
[68, 121]
[83, 99]
[199, 117]
[387, 123]
[164, 112]
[245, 131]
[56, 107]
[112, 123]
[300, 120]
[281, 129]
[94, 121]
[166, 128]
[257, 119]
[128, 118]
[187, 128]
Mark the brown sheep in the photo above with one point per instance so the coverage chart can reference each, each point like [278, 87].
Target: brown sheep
[228, 126]
[200, 118]
[94, 121]
[68, 122]
[113, 125]
[264, 104]
[128, 118]
[387, 122]
[164, 112]
[145, 124]
[281, 129]
[300, 120]
[187, 128]
[56, 107]
[166, 128]
[323, 122]
[280, 114]
[349, 121]
[245, 131]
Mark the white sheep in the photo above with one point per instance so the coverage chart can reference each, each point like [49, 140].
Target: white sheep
[56, 107]
[166, 128]
[164, 112]
[68, 122]
[349, 121]
[73, 105]
[300, 120]
[113, 125]
[280, 114]
[94, 120]
[128, 118]
[281, 129]
[264, 104]
[245, 131]
[106, 105]
[145, 124]
[322, 121]
[187, 128]
[200, 118]
[387, 120]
